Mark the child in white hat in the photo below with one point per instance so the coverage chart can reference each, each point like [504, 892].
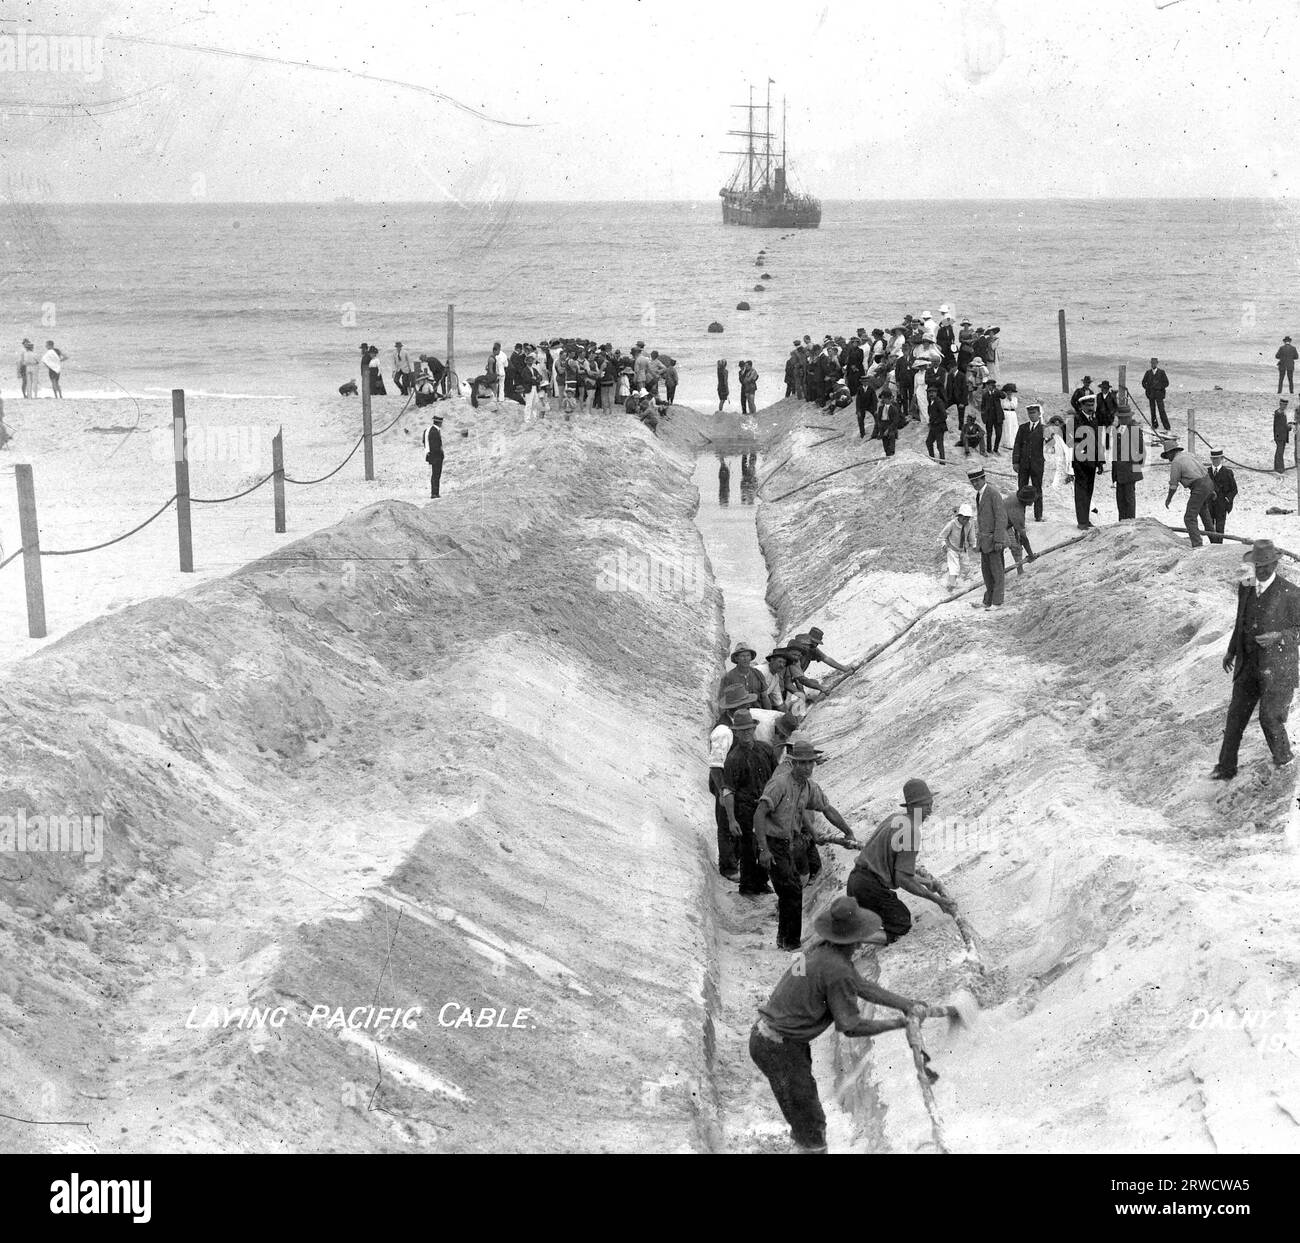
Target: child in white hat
[957, 537]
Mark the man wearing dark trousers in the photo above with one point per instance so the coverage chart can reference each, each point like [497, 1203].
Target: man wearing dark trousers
[867, 403]
[1262, 658]
[748, 769]
[1027, 456]
[991, 415]
[778, 820]
[1087, 444]
[1225, 492]
[819, 988]
[888, 863]
[732, 698]
[432, 441]
[1281, 434]
[937, 422]
[1286, 356]
[1127, 459]
[991, 537]
[1155, 384]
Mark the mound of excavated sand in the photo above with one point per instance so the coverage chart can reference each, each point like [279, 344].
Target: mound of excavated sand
[429, 757]
[1138, 920]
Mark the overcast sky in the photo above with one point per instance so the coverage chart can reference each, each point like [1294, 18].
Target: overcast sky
[628, 100]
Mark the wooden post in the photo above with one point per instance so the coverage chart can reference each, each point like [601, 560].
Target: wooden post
[365, 418]
[277, 468]
[1065, 359]
[182, 481]
[1123, 386]
[451, 345]
[1295, 438]
[30, 534]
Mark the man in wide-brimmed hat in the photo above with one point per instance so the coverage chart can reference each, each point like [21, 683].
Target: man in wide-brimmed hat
[778, 820]
[745, 674]
[1262, 658]
[721, 738]
[810, 649]
[1186, 471]
[888, 863]
[819, 988]
[748, 768]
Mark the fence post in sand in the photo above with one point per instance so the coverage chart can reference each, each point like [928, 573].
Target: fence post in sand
[277, 470]
[1065, 359]
[451, 345]
[365, 418]
[1295, 437]
[1123, 386]
[181, 453]
[1191, 431]
[30, 534]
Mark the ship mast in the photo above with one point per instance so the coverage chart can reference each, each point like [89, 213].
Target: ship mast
[750, 187]
[767, 134]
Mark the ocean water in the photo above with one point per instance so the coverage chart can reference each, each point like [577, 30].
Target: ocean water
[274, 299]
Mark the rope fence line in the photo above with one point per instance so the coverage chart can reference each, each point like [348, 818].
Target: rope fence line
[27, 509]
[1259, 470]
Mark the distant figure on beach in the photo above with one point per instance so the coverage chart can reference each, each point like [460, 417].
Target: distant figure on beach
[1286, 356]
[724, 388]
[1155, 384]
[748, 377]
[376, 378]
[432, 444]
[29, 369]
[1281, 434]
[401, 368]
[53, 360]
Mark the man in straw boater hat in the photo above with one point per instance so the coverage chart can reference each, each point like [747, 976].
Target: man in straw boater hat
[990, 537]
[1262, 658]
[819, 988]
[1184, 469]
[1225, 493]
[888, 863]
[721, 738]
[778, 821]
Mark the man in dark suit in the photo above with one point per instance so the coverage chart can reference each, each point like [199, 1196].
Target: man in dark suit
[991, 530]
[1129, 455]
[1027, 456]
[1085, 387]
[1262, 658]
[1281, 434]
[433, 454]
[1086, 453]
[1225, 492]
[1155, 384]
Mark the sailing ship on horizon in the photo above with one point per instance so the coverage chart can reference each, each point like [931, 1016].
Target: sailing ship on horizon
[759, 195]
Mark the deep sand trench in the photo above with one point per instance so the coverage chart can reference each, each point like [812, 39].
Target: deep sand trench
[472, 779]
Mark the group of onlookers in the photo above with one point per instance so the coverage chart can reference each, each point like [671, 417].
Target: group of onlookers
[30, 364]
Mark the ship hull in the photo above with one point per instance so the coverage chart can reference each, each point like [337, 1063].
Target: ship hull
[773, 216]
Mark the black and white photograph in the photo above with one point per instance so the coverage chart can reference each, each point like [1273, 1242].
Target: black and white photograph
[650, 578]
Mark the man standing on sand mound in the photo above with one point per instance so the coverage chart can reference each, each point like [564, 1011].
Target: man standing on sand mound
[1262, 658]
[991, 533]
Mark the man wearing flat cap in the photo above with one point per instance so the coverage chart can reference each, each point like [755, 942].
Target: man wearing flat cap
[1262, 658]
[819, 988]
[888, 863]
[778, 820]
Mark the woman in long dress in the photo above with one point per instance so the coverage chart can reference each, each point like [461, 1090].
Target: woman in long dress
[724, 388]
[1057, 454]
